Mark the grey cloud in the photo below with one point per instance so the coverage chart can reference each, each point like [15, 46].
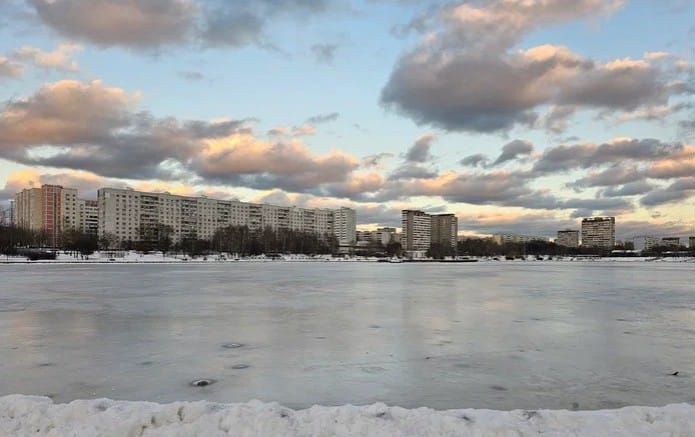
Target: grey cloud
[563, 157]
[130, 23]
[474, 160]
[411, 170]
[679, 190]
[324, 53]
[514, 150]
[375, 160]
[420, 150]
[629, 189]
[323, 118]
[192, 75]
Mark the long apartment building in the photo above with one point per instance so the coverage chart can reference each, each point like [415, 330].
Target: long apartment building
[52, 209]
[598, 232]
[125, 214]
[420, 230]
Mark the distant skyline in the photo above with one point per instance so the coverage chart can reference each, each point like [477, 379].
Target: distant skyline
[519, 116]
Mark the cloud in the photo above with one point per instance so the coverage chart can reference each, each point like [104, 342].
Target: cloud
[474, 160]
[629, 189]
[235, 23]
[191, 75]
[561, 158]
[9, 68]
[375, 160]
[513, 150]
[323, 118]
[60, 59]
[420, 150]
[324, 53]
[92, 127]
[679, 190]
[465, 75]
[130, 23]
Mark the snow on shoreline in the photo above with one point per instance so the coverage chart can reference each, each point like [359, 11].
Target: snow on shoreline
[39, 416]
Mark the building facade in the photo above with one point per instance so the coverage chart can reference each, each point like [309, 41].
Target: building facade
[128, 215]
[417, 230]
[514, 238]
[567, 238]
[421, 230]
[51, 209]
[383, 236]
[88, 215]
[598, 232]
[345, 223]
[671, 242]
[445, 229]
[7, 215]
[645, 243]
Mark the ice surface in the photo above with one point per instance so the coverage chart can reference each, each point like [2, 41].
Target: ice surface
[38, 416]
[519, 335]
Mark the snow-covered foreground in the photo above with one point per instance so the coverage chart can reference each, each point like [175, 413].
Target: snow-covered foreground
[39, 416]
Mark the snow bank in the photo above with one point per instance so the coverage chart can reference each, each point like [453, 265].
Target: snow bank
[39, 416]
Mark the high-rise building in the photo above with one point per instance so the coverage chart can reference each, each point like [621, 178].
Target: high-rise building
[567, 238]
[129, 215]
[7, 215]
[445, 229]
[88, 213]
[421, 230]
[51, 209]
[671, 242]
[417, 230]
[345, 222]
[645, 243]
[598, 232]
[384, 236]
[691, 242]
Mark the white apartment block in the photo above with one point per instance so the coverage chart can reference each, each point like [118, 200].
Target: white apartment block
[417, 230]
[598, 232]
[345, 223]
[123, 213]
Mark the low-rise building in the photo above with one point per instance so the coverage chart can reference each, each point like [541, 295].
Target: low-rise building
[671, 241]
[645, 243]
[514, 238]
[691, 242]
[568, 238]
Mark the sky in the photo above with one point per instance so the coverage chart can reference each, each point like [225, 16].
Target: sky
[520, 116]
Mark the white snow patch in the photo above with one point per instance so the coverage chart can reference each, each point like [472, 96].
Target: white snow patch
[39, 416]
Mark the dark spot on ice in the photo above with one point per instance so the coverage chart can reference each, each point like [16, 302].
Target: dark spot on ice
[468, 419]
[622, 320]
[530, 414]
[536, 319]
[284, 414]
[463, 365]
[627, 332]
[101, 407]
[320, 338]
[146, 363]
[375, 326]
[575, 405]
[675, 373]
[46, 364]
[240, 366]
[232, 345]
[202, 382]
[498, 388]
[428, 358]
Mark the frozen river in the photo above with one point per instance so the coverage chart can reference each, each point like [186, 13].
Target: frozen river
[485, 335]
